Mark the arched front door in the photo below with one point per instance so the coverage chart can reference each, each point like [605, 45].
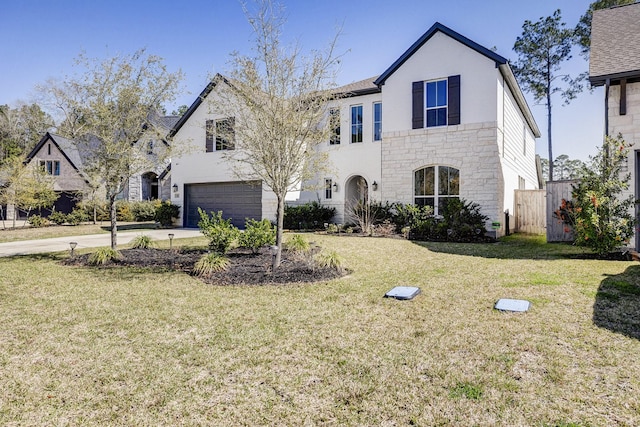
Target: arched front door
[149, 186]
[356, 191]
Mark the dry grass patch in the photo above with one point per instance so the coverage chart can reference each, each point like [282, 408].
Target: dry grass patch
[129, 347]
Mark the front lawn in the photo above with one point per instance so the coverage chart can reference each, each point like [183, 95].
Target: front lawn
[83, 346]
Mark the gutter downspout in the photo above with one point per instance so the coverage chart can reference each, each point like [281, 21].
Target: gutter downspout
[606, 107]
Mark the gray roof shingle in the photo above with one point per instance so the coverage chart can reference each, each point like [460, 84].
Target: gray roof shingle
[359, 87]
[615, 43]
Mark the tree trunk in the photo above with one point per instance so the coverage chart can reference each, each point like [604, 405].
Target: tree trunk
[549, 131]
[280, 223]
[114, 228]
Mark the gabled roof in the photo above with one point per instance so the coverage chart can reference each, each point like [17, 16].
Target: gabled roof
[615, 44]
[438, 27]
[501, 63]
[205, 92]
[69, 149]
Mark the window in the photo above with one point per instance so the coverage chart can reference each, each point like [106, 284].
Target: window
[377, 121]
[327, 188]
[222, 133]
[434, 185]
[225, 134]
[524, 140]
[52, 167]
[150, 147]
[436, 102]
[356, 123]
[49, 149]
[334, 123]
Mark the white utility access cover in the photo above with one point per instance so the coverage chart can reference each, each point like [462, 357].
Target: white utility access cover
[506, 304]
[402, 292]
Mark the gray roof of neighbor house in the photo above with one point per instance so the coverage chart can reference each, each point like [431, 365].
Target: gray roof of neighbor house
[615, 44]
[361, 87]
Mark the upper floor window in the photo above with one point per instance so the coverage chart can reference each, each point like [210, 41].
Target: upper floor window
[334, 125]
[436, 102]
[377, 121]
[49, 149]
[220, 134]
[52, 167]
[435, 185]
[356, 123]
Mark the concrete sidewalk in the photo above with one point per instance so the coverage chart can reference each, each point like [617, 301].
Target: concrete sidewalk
[57, 244]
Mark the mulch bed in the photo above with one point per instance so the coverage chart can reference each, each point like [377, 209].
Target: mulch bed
[245, 268]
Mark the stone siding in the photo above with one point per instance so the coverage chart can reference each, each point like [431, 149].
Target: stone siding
[471, 148]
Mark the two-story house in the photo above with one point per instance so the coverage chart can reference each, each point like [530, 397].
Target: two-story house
[447, 119]
[614, 63]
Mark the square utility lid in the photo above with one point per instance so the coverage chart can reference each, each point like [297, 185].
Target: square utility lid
[517, 305]
[402, 292]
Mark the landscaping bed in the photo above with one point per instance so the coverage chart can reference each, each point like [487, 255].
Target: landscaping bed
[245, 267]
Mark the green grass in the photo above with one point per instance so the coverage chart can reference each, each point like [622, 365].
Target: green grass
[84, 346]
[29, 233]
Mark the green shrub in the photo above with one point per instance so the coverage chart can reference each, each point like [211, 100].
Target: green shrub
[332, 229]
[166, 212]
[103, 256]
[209, 264]
[297, 243]
[600, 214]
[143, 211]
[458, 221]
[142, 242]
[58, 218]
[310, 216]
[77, 216]
[257, 234]
[330, 260]
[220, 232]
[38, 221]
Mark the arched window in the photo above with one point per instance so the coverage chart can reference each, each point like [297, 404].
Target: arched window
[434, 185]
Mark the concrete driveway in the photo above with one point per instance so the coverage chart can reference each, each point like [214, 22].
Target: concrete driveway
[57, 244]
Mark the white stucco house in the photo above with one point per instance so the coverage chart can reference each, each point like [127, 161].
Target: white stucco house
[447, 119]
[614, 63]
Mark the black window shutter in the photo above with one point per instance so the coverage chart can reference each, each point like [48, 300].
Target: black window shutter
[418, 105]
[453, 103]
[210, 130]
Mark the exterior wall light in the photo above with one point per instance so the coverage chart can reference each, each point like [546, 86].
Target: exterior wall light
[374, 186]
[335, 186]
[175, 188]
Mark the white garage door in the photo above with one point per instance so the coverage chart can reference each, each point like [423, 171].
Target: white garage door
[236, 200]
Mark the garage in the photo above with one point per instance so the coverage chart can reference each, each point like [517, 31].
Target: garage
[236, 200]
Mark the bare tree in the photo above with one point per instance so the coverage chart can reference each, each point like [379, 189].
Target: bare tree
[279, 100]
[108, 108]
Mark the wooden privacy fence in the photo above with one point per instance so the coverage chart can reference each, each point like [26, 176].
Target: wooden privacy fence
[530, 211]
[556, 229]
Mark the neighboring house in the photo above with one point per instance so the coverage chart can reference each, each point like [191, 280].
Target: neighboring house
[61, 159]
[447, 119]
[156, 182]
[614, 63]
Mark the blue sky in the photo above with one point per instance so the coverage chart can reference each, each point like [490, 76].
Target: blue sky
[41, 39]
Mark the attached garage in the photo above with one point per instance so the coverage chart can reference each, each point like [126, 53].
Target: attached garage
[236, 200]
